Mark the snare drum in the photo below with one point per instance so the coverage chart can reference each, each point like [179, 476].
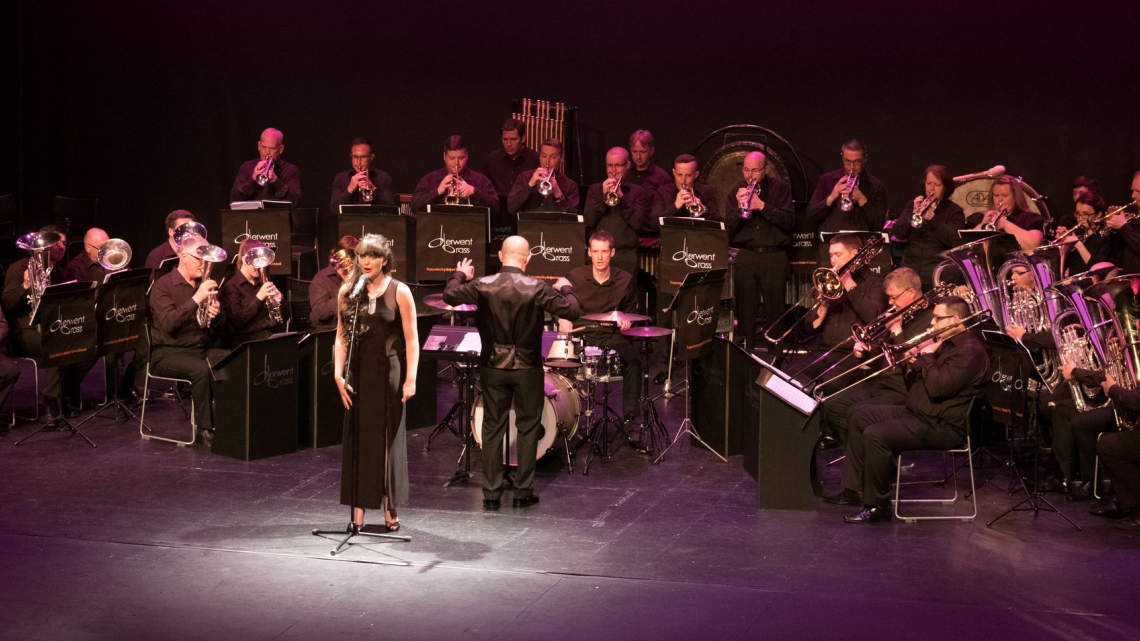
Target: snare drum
[565, 352]
[594, 367]
[560, 408]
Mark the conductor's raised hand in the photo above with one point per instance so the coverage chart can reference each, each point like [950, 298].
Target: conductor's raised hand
[467, 267]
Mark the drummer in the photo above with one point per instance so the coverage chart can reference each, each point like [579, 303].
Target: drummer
[602, 288]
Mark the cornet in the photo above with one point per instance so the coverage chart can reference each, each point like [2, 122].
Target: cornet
[452, 197]
[845, 201]
[546, 185]
[921, 207]
[367, 189]
[695, 207]
[611, 198]
[991, 225]
[343, 259]
[259, 258]
[746, 202]
[263, 177]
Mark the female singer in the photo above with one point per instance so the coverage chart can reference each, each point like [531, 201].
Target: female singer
[386, 351]
[937, 229]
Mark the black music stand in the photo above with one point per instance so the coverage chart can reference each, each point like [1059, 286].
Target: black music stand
[66, 316]
[444, 234]
[256, 383]
[553, 256]
[700, 287]
[386, 220]
[787, 430]
[120, 314]
[445, 342]
[319, 398]
[352, 420]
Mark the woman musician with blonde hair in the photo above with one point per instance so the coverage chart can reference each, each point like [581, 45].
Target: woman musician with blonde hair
[1010, 214]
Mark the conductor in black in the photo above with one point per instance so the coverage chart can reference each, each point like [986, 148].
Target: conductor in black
[509, 317]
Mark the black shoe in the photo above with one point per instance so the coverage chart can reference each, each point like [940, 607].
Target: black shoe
[869, 514]
[1130, 522]
[206, 438]
[846, 497]
[1050, 483]
[1081, 492]
[130, 396]
[659, 379]
[490, 505]
[1106, 507]
[525, 501]
[50, 411]
[636, 445]
[827, 441]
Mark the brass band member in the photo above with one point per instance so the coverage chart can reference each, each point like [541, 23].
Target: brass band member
[849, 199]
[1080, 430]
[386, 356]
[1120, 457]
[269, 177]
[939, 221]
[684, 196]
[601, 288]
[1081, 185]
[246, 300]
[544, 188]
[1010, 214]
[645, 173]
[948, 373]
[179, 346]
[509, 317]
[167, 249]
[625, 221]
[363, 184]
[504, 165]
[1097, 247]
[26, 339]
[761, 231]
[1129, 231]
[323, 289]
[455, 176]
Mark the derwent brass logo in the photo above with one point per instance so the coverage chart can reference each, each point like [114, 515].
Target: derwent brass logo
[552, 254]
[700, 316]
[693, 261]
[273, 378]
[450, 245]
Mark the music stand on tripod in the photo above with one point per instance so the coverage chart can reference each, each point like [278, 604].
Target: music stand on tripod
[461, 344]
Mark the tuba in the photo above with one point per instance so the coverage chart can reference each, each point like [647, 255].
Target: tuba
[209, 254]
[263, 177]
[114, 255]
[973, 260]
[39, 263]
[259, 258]
[1119, 298]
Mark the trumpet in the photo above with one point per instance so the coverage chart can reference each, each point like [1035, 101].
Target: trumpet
[114, 255]
[991, 225]
[342, 259]
[188, 230]
[695, 207]
[39, 263]
[546, 184]
[1086, 229]
[453, 197]
[827, 284]
[259, 258]
[611, 198]
[846, 203]
[263, 177]
[746, 202]
[209, 254]
[367, 189]
[921, 208]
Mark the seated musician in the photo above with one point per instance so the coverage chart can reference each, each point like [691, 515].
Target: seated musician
[948, 372]
[760, 230]
[247, 302]
[168, 249]
[862, 301]
[325, 286]
[25, 337]
[363, 181]
[1081, 185]
[180, 346]
[504, 165]
[455, 178]
[526, 194]
[282, 178]
[1010, 214]
[903, 288]
[645, 173]
[1120, 457]
[937, 231]
[1098, 246]
[1127, 224]
[602, 287]
[1080, 430]
[684, 196]
[848, 199]
[625, 221]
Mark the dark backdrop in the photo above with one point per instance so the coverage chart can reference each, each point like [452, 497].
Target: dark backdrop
[152, 106]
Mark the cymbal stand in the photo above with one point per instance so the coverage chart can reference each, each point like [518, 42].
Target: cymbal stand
[599, 436]
[466, 403]
[687, 426]
[651, 428]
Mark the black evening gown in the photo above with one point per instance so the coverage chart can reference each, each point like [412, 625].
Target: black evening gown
[378, 370]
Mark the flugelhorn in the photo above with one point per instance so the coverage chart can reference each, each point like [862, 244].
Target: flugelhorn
[39, 243]
[259, 258]
[846, 203]
[263, 177]
[209, 254]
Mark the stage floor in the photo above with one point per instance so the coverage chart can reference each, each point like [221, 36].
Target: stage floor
[142, 539]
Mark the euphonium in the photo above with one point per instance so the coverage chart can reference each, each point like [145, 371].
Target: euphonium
[611, 198]
[1074, 347]
[973, 261]
[695, 207]
[1119, 297]
[263, 177]
[918, 218]
[259, 258]
[209, 254]
[114, 255]
[546, 184]
[845, 201]
[39, 263]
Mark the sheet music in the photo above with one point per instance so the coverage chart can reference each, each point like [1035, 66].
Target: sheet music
[435, 343]
[470, 344]
[790, 394]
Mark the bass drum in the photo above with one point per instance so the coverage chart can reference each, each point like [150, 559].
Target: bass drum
[560, 408]
[973, 196]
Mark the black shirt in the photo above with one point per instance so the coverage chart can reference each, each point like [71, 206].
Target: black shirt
[867, 218]
[384, 193]
[665, 202]
[323, 301]
[15, 298]
[525, 197]
[247, 319]
[175, 314]
[503, 170]
[935, 236]
[948, 380]
[650, 178]
[618, 292]
[861, 305]
[82, 269]
[425, 194]
[625, 221]
[1130, 261]
[1101, 249]
[159, 254]
[287, 187]
[764, 228]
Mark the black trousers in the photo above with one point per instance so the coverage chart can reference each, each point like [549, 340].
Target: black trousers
[888, 389]
[1120, 456]
[1075, 431]
[877, 433]
[631, 367]
[9, 374]
[501, 388]
[759, 274]
[26, 341]
[190, 362]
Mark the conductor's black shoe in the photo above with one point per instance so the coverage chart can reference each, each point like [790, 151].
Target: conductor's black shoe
[869, 514]
[827, 441]
[490, 505]
[1081, 492]
[526, 501]
[846, 497]
[1106, 507]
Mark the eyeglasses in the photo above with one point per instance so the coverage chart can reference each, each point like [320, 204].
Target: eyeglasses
[891, 297]
[854, 163]
[941, 318]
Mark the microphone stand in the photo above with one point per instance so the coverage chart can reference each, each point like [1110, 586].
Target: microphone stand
[353, 416]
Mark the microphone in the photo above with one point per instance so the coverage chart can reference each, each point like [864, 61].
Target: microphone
[356, 289]
[992, 172]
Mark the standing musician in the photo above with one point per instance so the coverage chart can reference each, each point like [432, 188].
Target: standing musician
[247, 302]
[1010, 214]
[645, 173]
[601, 288]
[363, 184]
[168, 249]
[949, 372]
[455, 178]
[509, 317]
[625, 220]
[1100, 246]
[269, 177]
[684, 196]
[504, 165]
[26, 339]
[849, 199]
[930, 225]
[760, 220]
[561, 193]
[326, 283]
[1129, 230]
[180, 346]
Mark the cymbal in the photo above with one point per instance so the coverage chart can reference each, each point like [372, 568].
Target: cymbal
[615, 317]
[646, 332]
[436, 301]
